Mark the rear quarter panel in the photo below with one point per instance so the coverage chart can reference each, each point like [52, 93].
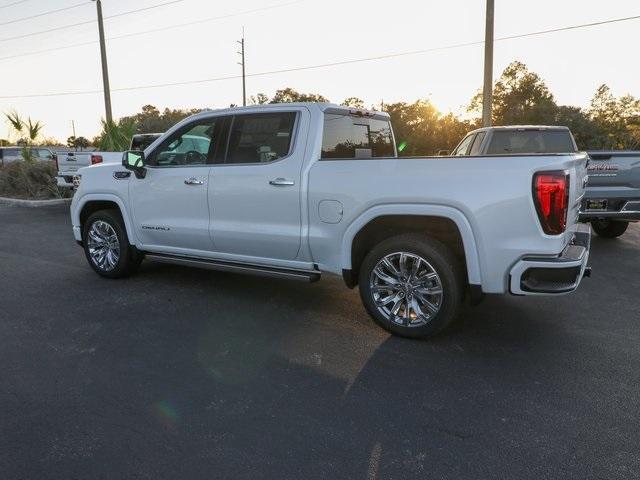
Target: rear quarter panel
[493, 194]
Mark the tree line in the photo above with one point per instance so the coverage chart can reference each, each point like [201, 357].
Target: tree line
[520, 97]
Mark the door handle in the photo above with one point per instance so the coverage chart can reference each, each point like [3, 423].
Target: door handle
[193, 181]
[282, 182]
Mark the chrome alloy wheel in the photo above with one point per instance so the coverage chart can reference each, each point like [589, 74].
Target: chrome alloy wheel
[406, 289]
[103, 245]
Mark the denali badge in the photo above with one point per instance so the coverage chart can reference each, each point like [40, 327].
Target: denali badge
[602, 167]
[150, 227]
[121, 175]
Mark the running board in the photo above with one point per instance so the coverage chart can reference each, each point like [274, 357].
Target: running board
[250, 269]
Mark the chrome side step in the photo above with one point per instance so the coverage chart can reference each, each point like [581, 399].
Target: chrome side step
[250, 269]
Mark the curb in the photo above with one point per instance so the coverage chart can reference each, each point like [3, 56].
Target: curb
[34, 203]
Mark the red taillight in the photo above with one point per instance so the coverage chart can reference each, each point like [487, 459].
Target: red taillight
[551, 196]
[96, 159]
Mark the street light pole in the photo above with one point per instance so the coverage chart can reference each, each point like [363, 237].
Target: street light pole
[105, 70]
[487, 91]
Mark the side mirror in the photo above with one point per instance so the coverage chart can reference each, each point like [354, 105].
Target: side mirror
[134, 160]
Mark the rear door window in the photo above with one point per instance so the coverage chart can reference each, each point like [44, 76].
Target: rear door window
[346, 136]
[260, 137]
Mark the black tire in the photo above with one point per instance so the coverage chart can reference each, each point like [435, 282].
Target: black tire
[609, 228]
[444, 264]
[129, 257]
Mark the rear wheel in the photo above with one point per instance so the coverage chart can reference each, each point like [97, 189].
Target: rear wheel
[107, 247]
[412, 286]
[609, 228]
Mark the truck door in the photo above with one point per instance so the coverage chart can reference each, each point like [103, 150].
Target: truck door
[169, 205]
[254, 196]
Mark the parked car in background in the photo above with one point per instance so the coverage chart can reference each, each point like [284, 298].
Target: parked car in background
[612, 198]
[297, 190]
[516, 139]
[141, 141]
[70, 162]
[11, 154]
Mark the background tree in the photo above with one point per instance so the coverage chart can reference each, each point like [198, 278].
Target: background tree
[581, 125]
[115, 137]
[420, 129]
[258, 99]
[617, 120]
[71, 142]
[520, 97]
[353, 102]
[151, 120]
[81, 143]
[27, 131]
[289, 95]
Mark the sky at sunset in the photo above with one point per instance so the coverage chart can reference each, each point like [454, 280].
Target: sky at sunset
[284, 34]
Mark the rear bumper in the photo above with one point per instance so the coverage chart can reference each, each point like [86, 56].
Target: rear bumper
[630, 210]
[553, 276]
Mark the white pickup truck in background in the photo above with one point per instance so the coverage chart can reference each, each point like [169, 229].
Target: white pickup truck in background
[299, 190]
[68, 163]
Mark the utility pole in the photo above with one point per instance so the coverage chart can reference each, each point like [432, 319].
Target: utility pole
[487, 91]
[73, 128]
[244, 84]
[105, 70]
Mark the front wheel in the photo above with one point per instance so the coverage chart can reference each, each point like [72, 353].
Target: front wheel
[107, 247]
[411, 285]
[609, 228]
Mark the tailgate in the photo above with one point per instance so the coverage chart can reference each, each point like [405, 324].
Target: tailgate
[69, 162]
[619, 169]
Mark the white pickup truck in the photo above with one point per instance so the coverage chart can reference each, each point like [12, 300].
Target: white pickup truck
[299, 190]
[68, 163]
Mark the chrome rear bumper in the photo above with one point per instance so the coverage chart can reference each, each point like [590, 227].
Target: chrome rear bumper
[556, 275]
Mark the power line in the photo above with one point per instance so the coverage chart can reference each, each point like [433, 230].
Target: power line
[322, 65]
[154, 30]
[12, 4]
[144, 9]
[22, 19]
[86, 22]
[205, 20]
[54, 29]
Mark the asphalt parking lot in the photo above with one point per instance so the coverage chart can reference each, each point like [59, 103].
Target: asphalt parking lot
[180, 373]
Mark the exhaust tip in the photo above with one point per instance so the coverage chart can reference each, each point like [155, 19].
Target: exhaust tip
[587, 272]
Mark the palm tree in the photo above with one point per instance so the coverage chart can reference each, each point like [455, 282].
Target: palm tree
[116, 137]
[15, 120]
[21, 127]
